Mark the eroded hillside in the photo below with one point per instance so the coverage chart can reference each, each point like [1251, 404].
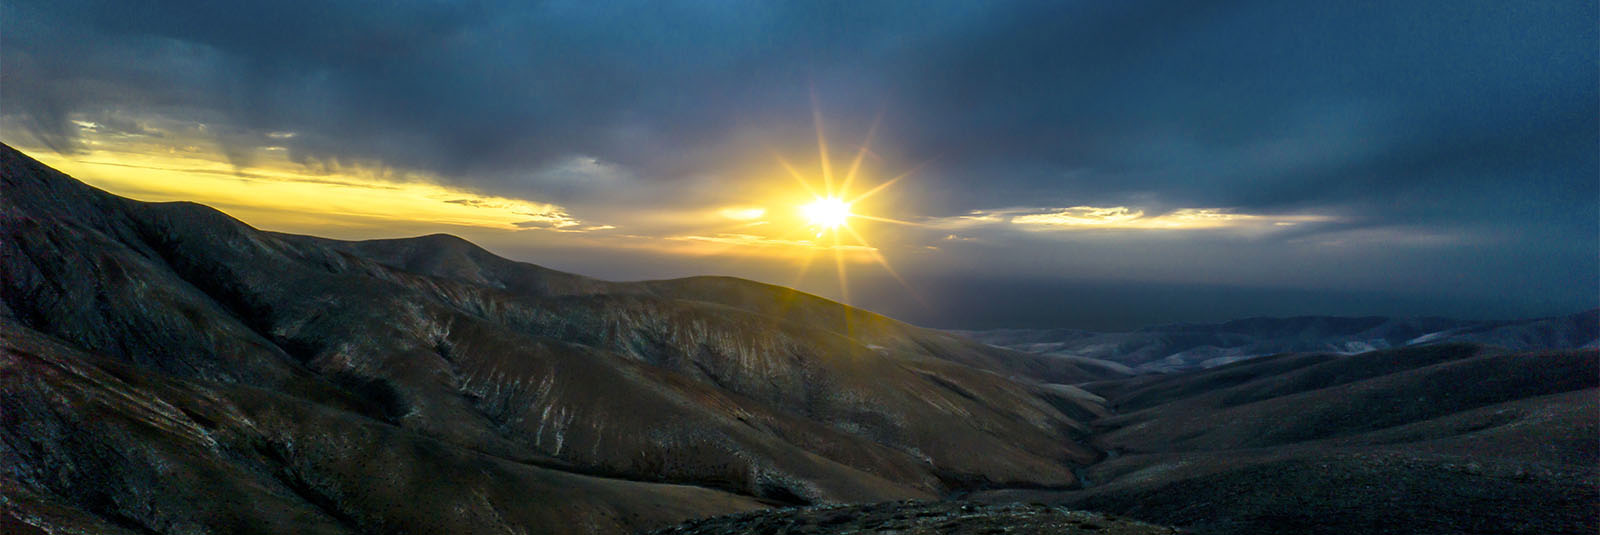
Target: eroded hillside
[1449, 438]
[334, 381]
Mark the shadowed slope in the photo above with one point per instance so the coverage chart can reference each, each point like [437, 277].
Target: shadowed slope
[1450, 438]
[145, 451]
[920, 518]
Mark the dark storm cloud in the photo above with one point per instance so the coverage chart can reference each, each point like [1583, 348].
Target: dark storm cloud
[1188, 99]
[1283, 105]
[465, 89]
[1452, 118]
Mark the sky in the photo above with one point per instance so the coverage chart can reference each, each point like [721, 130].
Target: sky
[1099, 165]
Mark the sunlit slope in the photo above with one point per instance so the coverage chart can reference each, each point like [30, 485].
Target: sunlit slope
[749, 389]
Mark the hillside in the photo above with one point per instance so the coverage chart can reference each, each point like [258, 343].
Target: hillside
[296, 362]
[165, 368]
[1448, 438]
[921, 518]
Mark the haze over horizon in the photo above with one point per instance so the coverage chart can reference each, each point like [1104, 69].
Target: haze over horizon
[1066, 165]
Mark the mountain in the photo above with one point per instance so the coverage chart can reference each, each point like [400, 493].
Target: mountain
[1443, 438]
[165, 368]
[921, 518]
[168, 368]
[1193, 346]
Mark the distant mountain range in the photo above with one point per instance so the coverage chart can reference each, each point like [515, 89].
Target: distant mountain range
[1185, 346]
[167, 369]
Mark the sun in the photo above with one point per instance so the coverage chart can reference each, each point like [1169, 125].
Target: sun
[833, 206]
[827, 213]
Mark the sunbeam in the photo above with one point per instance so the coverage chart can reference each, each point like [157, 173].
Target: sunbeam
[829, 210]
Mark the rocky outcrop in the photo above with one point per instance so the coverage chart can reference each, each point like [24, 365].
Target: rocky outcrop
[920, 518]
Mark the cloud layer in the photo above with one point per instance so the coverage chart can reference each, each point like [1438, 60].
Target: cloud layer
[1400, 131]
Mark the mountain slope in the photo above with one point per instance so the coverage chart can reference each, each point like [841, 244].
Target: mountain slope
[921, 518]
[114, 447]
[755, 391]
[1447, 438]
[165, 368]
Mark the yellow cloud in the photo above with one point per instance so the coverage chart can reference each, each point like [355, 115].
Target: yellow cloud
[1123, 218]
[1176, 220]
[276, 193]
[1110, 217]
[743, 213]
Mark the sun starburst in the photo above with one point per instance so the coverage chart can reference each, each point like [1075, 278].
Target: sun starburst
[831, 206]
[826, 214]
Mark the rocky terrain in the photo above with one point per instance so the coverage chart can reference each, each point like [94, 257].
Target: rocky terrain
[166, 365]
[1179, 347]
[920, 518]
[167, 369]
[1446, 438]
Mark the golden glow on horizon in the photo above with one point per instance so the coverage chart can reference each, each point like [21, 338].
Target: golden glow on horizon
[278, 195]
[270, 187]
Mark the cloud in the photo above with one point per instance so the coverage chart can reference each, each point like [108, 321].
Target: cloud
[618, 113]
[580, 177]
[1086, 216]
[1394, 236]
[1122, 217]
[743, 213]
[277, 193]
[1089, 218]
[554, 221]
[1253, 105]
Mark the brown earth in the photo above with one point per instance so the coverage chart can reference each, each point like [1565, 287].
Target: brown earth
[168, 367]
[1452, 438]
[920, 518]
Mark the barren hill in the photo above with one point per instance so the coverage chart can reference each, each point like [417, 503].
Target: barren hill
[338, 381]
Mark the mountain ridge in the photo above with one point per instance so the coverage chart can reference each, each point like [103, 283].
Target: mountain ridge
[760, 393]
[166, 368]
